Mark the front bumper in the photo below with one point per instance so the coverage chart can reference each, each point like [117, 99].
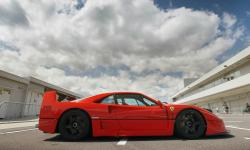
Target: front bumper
[215, 127]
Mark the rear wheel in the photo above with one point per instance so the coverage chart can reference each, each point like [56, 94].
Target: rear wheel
[190, 124]
[74, 125]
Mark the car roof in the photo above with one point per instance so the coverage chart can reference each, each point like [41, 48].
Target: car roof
[101, 95]
[122, 93]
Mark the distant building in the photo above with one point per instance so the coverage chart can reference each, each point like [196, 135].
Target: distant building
[188, 81]
[21, 97]
[226, 86]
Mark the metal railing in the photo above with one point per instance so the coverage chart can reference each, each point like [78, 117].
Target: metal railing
[12, 109]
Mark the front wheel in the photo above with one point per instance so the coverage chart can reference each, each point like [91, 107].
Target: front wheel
[190, 124]
[74, 125]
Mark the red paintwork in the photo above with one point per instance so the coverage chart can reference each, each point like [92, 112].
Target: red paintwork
[122, 120]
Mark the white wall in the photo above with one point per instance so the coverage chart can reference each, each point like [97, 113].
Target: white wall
[241, 70]
[17, 96]
[33, 99]
[25, 96]
[236, 103]
[245, 69]
[4, 96]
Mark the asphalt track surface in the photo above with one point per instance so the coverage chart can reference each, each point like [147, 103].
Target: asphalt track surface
[29, 138]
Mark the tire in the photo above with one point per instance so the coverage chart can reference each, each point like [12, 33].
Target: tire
[74, 125]
[190, 124]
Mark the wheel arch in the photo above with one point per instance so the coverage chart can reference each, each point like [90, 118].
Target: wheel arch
[184, 109]
[82, 110]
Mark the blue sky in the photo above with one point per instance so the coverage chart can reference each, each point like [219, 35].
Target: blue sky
[98, 46]
[238, 8]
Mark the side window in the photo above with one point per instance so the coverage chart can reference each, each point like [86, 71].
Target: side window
[119, 101]
[130, 99]
[140, 103]
[108, 100]
[149, 102]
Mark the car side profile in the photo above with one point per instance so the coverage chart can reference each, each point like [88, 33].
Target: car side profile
[124, 114]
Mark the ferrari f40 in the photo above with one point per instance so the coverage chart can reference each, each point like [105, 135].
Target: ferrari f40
[124, 114]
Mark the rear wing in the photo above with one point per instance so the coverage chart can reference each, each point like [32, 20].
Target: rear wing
[50, 102]
[50, 97]
[48, 105]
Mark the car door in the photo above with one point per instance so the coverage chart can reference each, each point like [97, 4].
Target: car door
[107, 121]
[137, 118]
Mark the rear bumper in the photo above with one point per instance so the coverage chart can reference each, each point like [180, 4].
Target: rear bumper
[47, 125]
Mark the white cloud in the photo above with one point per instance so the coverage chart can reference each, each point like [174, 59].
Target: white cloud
[154, 85]
[248, 13]
[247, 42]
[12, 14]
[58, 37]
[228, 20]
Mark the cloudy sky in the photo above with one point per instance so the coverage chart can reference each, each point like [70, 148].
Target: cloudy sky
[141, 45]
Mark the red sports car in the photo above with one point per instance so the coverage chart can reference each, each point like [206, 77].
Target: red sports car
[125, 114]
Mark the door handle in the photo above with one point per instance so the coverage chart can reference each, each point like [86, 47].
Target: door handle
[109, 108]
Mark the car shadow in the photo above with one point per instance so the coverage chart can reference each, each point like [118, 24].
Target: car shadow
[215, 137]
[162, 138]
[58, 138]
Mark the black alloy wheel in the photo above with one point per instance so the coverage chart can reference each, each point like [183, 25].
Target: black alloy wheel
[74, 125]
[190, 124]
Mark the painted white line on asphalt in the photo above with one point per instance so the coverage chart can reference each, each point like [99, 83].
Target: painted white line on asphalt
[233, 117]
[234, 127]
[247, 138]
[17, 125]
[233, 121]
[122, 142]
[10, 132]
[7, 122]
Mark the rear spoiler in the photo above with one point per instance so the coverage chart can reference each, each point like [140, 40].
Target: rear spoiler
[47, 107]
[50, 97]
